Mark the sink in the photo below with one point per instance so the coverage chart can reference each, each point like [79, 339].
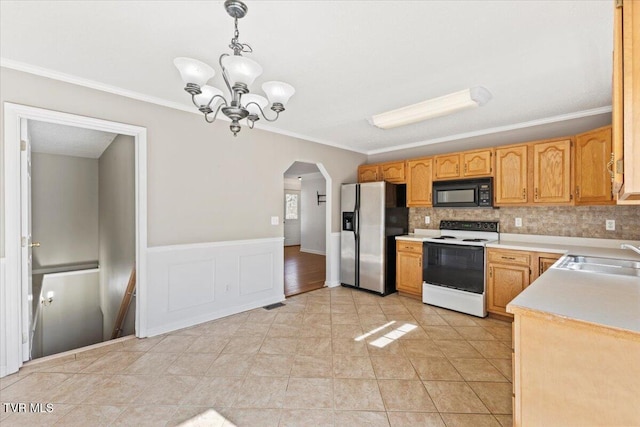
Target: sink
[600, 265]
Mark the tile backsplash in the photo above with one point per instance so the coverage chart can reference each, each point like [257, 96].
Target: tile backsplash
[574, 221]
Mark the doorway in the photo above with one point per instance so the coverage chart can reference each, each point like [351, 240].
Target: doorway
[305, 233]
[15, 345]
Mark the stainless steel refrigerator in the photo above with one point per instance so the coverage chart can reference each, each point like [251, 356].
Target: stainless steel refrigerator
[372, 215]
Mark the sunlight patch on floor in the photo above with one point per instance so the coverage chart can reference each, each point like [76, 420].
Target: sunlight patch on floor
[393, 335]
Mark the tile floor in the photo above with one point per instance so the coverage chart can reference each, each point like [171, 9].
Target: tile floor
[331, 357]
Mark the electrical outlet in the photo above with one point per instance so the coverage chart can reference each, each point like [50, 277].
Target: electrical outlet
[427, 219]
[518, 222]
[275, 220]
[610, 224]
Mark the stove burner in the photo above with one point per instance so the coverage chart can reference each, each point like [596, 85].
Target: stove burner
[444, 238]
[474, 240]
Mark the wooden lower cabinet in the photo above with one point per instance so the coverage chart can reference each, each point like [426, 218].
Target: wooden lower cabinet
[509, 272]
[570, 373]
[409, 267]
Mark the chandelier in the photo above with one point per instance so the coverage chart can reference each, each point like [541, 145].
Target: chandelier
[239, 73]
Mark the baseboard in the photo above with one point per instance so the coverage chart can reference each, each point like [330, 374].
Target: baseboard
[312, 251]
[332, 284]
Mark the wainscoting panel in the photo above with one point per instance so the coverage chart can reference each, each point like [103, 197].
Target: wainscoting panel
[192, 284]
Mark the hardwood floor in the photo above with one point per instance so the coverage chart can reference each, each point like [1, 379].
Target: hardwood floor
[303, 272]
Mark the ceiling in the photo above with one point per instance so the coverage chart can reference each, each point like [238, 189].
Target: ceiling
[51, 138]
[543, 61]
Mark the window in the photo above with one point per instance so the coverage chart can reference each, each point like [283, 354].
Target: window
[291, 203]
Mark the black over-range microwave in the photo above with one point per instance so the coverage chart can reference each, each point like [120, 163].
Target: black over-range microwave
[464, 193]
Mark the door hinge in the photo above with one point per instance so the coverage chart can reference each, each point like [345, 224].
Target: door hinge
[618, 3]
[23, 145]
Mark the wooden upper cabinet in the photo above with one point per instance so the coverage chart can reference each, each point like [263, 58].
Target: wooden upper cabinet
[393, 172]
[447, 166]
[626, 101]
[593, 181]
[419, 182]
[552, 172]
[369, 173]
[477, 163]
[510, 184]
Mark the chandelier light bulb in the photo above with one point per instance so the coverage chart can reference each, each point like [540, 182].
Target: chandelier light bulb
[278, 92]
[248, 101]
[193, 71]
[208, 92]
[241, 70]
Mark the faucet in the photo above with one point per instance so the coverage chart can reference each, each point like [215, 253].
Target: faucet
[633, 248]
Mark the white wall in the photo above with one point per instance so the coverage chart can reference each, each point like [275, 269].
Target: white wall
[117, 253]
[313, 217]
[64, 194]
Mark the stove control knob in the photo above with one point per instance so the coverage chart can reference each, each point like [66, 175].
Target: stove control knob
[485, 225]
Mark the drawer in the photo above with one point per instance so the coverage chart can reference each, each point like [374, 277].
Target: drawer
[510, 257]
[405, 246]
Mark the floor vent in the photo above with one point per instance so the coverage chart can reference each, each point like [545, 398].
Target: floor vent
[272, 306]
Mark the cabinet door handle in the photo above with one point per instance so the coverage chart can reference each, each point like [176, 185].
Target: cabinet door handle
[524, 194]
[510, 258]
[465, 168]
[577, 191]
[420, 262]
[490, 271]
[457, 168]
[536, 193]
[429, 196]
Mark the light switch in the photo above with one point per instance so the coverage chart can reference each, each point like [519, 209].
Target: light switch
[427, 219]
[518, 222]
[275, 220]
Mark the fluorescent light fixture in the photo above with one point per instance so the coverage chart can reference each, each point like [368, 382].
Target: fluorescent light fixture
[436, 107]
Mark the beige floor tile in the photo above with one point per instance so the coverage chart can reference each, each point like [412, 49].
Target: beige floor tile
[393, 367]
[173, 344]
[458, 319]
[284, 330]
[430, 320]
[435, 369]
[151, 363]
[315, 366]
[314, 346]
[272, 365]
[421, 348]
[221, 329]
[478, 370]
[91, 415]
[44, 416]
[167, 390]
[282, 345]
[34, 387]
[495, 396]
[145, 415]
[208, 344]
[44, 365]
[230, 365]
[415, 332]
[253, 330]
[317, 318]
[470, 420]
[119, 390]
[349, 346]
[346, 331]
[357, 394]
[217, 392]
[393, 310]
[77, 388]
[141, 344]
[415, 419]
[314, 330]
[504, 366]
[349, 308]
[456, 348]
[261, 316]
[243, 345]
[361, 418]
[8, 380]
[455, 397]
[309, 393]
[492, 349]
[380, 347]
[443, 332]
[500, 333]
[72, 367]
[405, 395]
[369, 309]
[191, 364]
[251, 417]
[347, 366]
[261, 392]
[289, 318]
[306, 418]
[345, 319]
[196, 416]
[318, 307]
[372, 320]
[505, 420]
[475, 333]
[98, 350]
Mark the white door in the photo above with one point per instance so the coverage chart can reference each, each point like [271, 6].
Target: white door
[291, 217]
[27, 243]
